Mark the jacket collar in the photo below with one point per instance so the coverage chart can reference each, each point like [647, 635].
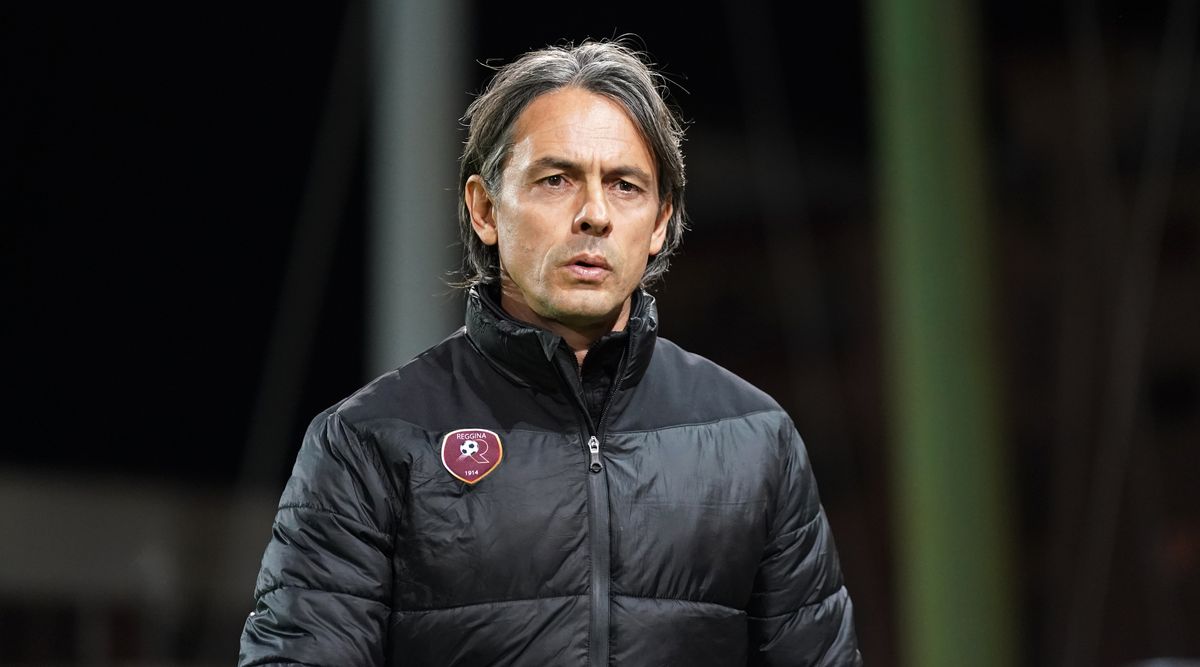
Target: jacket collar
[526, 354]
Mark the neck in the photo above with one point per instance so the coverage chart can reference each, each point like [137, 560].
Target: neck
[578, 335]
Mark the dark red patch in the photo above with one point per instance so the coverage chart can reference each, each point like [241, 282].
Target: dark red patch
[470, 454]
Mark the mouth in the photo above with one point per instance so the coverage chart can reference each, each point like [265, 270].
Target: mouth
[586, 260]
[588, 267]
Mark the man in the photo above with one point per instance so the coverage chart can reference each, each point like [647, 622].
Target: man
[554, 484]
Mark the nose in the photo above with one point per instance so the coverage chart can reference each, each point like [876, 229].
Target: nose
[592, 217]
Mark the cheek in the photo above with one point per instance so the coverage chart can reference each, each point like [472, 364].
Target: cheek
[636, 266]
[513, 242]
[521, 253]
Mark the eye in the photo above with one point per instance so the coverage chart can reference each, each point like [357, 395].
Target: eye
[627, 187]
[554, 181]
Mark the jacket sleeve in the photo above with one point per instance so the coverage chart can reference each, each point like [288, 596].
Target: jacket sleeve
[800, 612]
[324, 588]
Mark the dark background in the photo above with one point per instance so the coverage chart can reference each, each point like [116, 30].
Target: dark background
[154, 164]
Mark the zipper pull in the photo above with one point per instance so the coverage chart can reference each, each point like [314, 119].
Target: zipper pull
[594, 449]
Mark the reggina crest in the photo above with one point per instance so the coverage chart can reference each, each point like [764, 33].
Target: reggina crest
[470, 454]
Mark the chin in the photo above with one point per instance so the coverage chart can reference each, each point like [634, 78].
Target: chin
[585, 306]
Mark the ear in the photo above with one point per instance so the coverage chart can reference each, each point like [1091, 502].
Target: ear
[479, 206]
[659, 236]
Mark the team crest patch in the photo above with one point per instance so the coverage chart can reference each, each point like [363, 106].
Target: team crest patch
[470, 454]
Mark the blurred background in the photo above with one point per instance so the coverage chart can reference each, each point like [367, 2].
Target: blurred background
[959, 242]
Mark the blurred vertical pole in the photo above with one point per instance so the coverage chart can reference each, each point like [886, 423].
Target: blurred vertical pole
[418, 89]
[952, 531]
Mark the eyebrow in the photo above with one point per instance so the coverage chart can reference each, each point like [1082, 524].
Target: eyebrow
[553, 162]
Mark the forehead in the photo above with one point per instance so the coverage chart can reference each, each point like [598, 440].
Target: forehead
[580, 126]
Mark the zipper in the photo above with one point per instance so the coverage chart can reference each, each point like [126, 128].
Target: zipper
[598, 519]
[600, 536]
[594, 442]
[594, 450]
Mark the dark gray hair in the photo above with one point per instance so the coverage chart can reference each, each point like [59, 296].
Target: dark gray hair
[609, 68]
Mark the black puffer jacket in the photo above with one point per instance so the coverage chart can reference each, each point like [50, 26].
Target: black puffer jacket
[693, 537]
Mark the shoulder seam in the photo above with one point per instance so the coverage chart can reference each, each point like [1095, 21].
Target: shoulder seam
[839, 593]
[667, 599]
[667, 427]
[279, 587]
[376, 462]
[325, 510]
[373, 420]
[487, 602]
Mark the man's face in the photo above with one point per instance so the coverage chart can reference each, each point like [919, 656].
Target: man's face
[577, 215]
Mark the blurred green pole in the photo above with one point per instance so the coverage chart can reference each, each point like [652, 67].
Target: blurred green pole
[953, 537]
